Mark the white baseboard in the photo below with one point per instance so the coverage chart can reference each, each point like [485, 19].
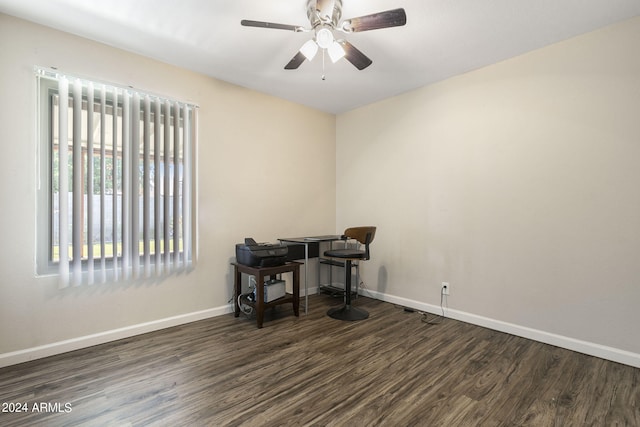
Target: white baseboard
[585, 347]
[39, 352]
[597, 350]
[26, 355]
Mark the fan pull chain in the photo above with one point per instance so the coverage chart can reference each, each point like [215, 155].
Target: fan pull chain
[323, 77]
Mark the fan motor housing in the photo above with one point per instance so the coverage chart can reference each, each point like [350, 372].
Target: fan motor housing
[314, 14]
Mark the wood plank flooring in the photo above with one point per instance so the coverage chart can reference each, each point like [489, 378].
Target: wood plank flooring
[389, 370]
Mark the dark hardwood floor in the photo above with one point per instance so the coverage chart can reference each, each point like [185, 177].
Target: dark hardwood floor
[389, 370]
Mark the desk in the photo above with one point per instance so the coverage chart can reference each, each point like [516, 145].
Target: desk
[306, 241]
[260, 273]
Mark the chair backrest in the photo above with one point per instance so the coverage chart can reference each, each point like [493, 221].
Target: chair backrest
[363, 235]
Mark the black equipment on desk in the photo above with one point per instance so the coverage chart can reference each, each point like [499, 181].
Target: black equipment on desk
[260, 254]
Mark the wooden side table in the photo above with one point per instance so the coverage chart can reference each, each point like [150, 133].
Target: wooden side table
[260, 273]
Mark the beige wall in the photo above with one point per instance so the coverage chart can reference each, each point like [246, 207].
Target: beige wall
[516, 183]
[253, 180]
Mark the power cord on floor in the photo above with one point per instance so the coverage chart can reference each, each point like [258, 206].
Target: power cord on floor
[245, 309]
[431, 319]
[363, 289]
[436, 319]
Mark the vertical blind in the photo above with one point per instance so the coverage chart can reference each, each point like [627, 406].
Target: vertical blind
[121, 181]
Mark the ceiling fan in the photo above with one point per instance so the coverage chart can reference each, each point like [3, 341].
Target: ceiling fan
[324, 18]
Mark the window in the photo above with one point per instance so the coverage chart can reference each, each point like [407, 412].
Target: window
[116, 196]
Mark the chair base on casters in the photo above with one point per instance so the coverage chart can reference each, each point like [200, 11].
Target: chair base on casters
[347, 312]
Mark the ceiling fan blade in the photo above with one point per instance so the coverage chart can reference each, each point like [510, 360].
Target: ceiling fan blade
[375, 21]
[261, 24]
[353, 55]
[295, 62]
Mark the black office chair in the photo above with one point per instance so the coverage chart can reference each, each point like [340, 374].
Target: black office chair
[365, 236]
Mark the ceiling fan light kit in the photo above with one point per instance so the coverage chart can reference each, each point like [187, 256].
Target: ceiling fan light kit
[324, 37]
[336, 52]
[324, 18]
[309, 49]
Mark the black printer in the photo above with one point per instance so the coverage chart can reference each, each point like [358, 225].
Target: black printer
[260, 254]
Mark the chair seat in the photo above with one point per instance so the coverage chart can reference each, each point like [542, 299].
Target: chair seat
[346, 253]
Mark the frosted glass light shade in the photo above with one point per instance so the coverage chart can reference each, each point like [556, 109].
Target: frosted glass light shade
[324, 38]
[309, 49]
[336, 52]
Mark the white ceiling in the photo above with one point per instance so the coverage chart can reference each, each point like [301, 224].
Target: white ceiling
[442, 38]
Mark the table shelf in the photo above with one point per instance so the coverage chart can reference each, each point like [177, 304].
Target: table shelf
[260, 273]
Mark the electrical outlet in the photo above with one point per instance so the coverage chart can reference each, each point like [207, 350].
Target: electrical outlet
[446, 288]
